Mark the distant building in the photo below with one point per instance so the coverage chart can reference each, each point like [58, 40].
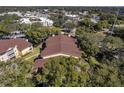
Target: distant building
[25, 21]
[14, 48]
[59, 45]
[12, 13]
[70, 31]
[46, 10]
[15, 13]
[72, 16]
[15, 34]
[95, 18]
[85, 13]
[2, 14]
[46, 21]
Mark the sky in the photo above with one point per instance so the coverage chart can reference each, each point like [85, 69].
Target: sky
[61, 2]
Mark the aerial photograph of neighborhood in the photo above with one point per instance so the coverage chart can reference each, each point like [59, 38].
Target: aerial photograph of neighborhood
[61, 46]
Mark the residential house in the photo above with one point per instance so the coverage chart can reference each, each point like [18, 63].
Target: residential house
[46, 22]
[25, 21]
[95, 18]
[12, 13]
[15, 13]
[85, 13]
[72, 16]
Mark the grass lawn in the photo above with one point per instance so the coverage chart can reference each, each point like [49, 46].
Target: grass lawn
[31, 56]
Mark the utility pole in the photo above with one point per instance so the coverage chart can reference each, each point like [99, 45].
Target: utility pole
[117, 13]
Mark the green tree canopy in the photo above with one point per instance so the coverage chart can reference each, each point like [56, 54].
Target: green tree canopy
[16, 73]
[112, 43]
[62, 71]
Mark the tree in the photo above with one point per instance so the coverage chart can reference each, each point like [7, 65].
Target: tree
[9, 23]
[86, 22]
[62, 71]
[16, 73]
[101, 25]
[35, 35]
[70, 72]
[58, 19]
[89, 43]
[70, 25]
[112, 43]
[104, 76]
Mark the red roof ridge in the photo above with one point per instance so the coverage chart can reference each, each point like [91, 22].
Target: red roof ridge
[60, 44]
[9, 43]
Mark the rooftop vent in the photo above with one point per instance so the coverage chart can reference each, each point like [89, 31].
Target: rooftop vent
[53, 35]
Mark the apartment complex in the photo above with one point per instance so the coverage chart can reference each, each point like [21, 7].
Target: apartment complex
[14, 48]
[59, 45]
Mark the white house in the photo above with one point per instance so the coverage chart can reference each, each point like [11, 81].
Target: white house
[25, 21]
[16, 13]
[12, 13]
[45, 21]
[72, 16]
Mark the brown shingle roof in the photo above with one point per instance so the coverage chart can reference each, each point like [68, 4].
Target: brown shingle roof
[9, 43]
[61, 44]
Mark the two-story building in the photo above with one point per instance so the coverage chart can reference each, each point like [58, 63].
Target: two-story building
[14, 48]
